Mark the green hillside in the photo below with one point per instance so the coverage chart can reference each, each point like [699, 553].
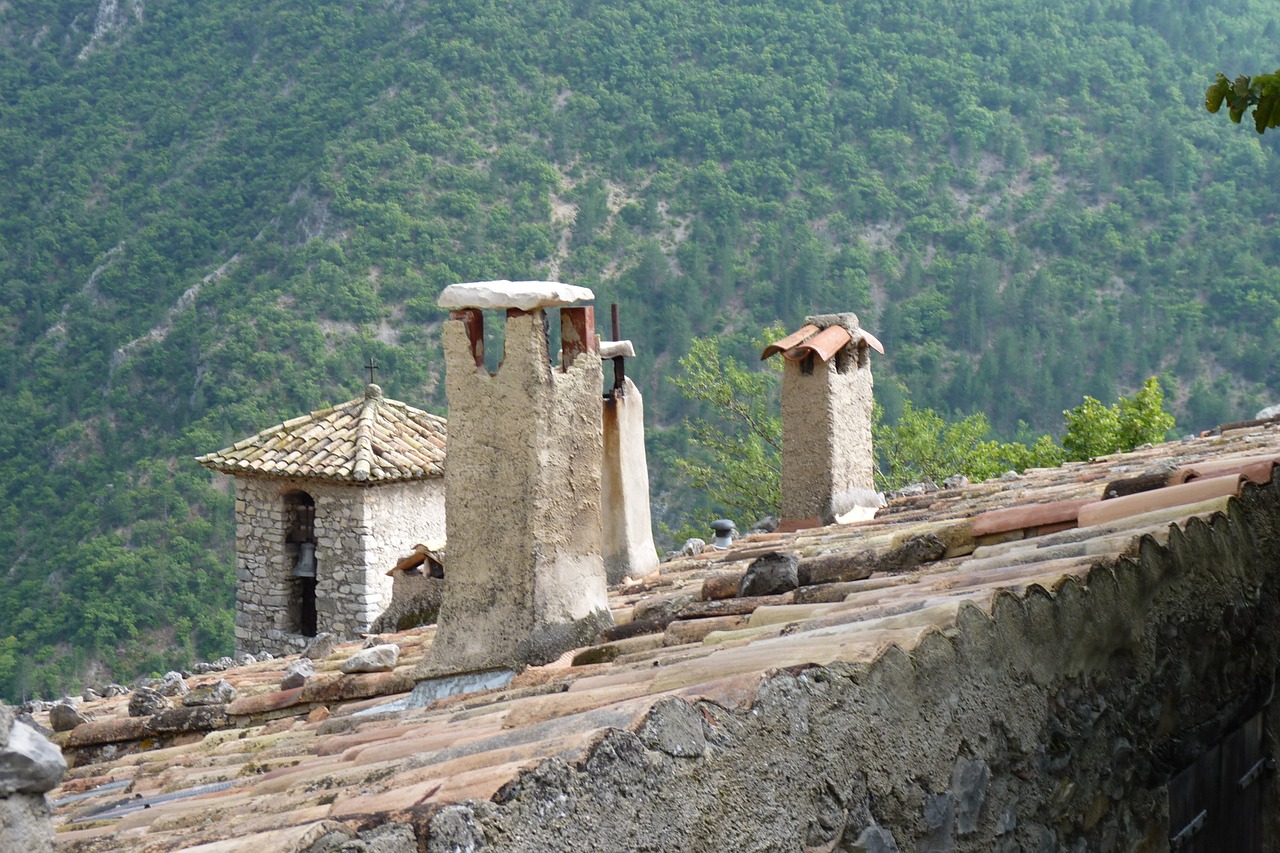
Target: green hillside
[211, 214]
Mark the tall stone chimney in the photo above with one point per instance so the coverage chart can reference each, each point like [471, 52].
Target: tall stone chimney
[827, 460]
[525, 578]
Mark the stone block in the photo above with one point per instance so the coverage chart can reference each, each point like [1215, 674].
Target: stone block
[772, 574]
[204, 718]
[64, 717]
[503, 294]
[381, 658]
[26, 824]
[221, 692]
[145, 701]
[29, 763]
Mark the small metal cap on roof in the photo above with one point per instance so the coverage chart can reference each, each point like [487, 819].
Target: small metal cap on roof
[724, 529]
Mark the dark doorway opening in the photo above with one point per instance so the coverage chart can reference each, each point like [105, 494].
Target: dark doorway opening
[300, 550]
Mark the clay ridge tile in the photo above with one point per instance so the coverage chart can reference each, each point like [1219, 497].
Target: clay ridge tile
[1031, 515]
[795, 338]
[1226, 467]
[1190, 492]
[824, 345]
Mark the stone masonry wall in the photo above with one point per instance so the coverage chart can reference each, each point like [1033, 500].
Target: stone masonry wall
[1053, 724]
[359, 534]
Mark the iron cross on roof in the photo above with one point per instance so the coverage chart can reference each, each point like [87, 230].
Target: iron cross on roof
[371, 367]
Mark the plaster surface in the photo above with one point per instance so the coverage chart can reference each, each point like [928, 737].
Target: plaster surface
[525, 580]
[628, 547]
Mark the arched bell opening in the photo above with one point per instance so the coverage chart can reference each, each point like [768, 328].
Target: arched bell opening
[300, 554]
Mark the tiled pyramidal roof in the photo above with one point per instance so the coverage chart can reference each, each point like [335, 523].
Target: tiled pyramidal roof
[370, 439]
[275, 769]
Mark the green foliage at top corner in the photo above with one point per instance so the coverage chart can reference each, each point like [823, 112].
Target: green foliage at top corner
[1094, 429]
[1261, 92]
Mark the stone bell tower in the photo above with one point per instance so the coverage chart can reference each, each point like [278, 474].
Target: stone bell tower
[525, 579]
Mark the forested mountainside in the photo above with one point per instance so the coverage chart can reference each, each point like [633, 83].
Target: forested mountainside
[211, 214]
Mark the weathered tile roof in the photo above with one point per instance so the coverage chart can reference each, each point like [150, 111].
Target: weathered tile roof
[279, 768]
[370, 439]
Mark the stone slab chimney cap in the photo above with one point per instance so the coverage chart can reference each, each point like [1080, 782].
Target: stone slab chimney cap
[613, 349]
[522, 295]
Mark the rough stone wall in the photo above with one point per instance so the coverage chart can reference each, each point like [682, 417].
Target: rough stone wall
[625, 519]
[359, 534]
[826, 434]
[415, 600]
[524, 579]
[1052, 725]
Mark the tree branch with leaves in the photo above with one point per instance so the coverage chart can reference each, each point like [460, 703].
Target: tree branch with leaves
[1261, 92]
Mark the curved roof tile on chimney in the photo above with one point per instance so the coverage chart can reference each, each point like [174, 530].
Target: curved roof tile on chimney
[824, 343]
[371, 439]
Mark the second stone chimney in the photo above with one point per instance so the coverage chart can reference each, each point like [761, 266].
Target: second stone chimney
[525, 579]
[827, 460]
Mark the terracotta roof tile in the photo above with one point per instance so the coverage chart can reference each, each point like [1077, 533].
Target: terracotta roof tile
[794, 339]
[824, 345]
[370, 439]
